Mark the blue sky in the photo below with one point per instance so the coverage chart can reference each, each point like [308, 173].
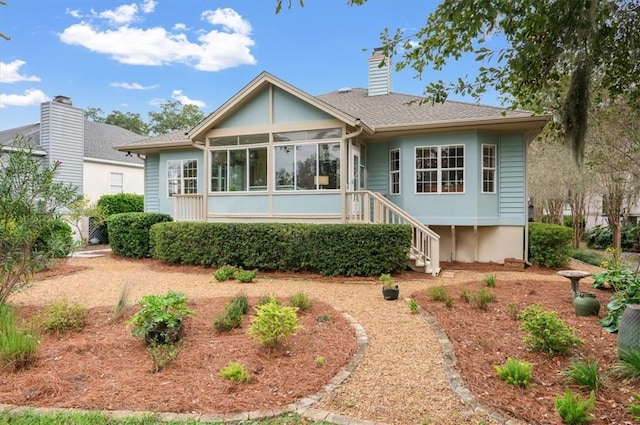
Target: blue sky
[133, 55]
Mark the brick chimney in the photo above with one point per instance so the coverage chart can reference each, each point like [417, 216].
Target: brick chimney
[379, 73]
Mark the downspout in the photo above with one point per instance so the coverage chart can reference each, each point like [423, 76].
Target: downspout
[344, 171]
[205, 162]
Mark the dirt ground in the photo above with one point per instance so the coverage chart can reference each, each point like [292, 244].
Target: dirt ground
[414, 390]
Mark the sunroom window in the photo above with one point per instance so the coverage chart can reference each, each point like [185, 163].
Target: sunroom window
[239, 170]
[307, 166]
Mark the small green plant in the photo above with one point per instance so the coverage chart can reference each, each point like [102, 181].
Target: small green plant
[64, 317]
[515, 372]
[512, 310]
[448, 303]
[17, 346]
[301, 301]
[634, 408]
[265, 299]
[239, 302]
[235, 372]
[573, 410]
[438, 293]
[121, 305]
[387, 281]
[413, 306]
[162, 355]
[628, 367]
[245, 276]
[273, 323]
[483, 297]
[490, 280]
[324, 318]
[586, 374]
[225, 272]
[466, 295]
[232, 316]
[320, 361]
[160, 317]
[547, 333]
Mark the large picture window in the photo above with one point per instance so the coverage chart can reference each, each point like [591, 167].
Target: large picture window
[394, 171]
[308, 166]
[439, 169]
[488, 168]
[239, 170]
[182, 176]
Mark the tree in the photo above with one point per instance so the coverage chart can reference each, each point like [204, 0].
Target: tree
[94, 114]
[174, 116]
[29, 199]
[129, 120]
[2, 35]
[547, 41]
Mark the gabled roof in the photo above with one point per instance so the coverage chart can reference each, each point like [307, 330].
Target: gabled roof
[174, 139]
[99, 140]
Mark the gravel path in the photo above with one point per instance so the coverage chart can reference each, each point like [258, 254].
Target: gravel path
[401, 379]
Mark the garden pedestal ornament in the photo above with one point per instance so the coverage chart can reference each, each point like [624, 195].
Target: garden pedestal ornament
[574, 276]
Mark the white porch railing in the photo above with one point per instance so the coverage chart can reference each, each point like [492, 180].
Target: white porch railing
[188, 207]
[364, 206]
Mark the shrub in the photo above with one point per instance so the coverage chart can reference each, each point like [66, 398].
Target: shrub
[549, 244]
[483, 297]
[266, 299]
[619, 302]
[129, 232]
[573, 409]
[329, 249]
[413, 306]
[56, 238]
[231, 318]
[438, 293]
[244, 276]
[235, 372]
[225, 272]
[586, 257]
[301, 301]
[515, 372]
[159, 317]
[162, 355]
[628, 367]
[273, 323]
[586, 374]
[490, 280]
[466, 295]
[547, 333]
[118, 204]
[63, 317]
[17, 347]
[600, 237]
[634, 408]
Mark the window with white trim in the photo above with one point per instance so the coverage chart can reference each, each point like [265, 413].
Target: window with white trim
[488, 168]
[239, 170]
[182, 176]
[116, 181]
[394, 171]
[439, 169]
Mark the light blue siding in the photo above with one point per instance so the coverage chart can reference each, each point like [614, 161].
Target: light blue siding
[288, 108]
[166, 203]
[307, 204]
[62, 137]
[254, 112]
[488, 211]
[511, 178]
[152, 183]
[239, 204]
[378, 167]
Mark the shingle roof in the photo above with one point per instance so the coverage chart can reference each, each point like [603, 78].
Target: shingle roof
[174, 136]
[401, 109]
[99, 139]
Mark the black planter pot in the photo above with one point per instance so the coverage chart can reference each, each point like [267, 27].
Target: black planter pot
[391, 293]
[164, 334]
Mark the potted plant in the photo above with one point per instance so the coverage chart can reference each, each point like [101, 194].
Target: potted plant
[159, 320]
[390, 290]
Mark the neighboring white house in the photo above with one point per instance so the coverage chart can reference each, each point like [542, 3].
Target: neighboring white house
[84, 150]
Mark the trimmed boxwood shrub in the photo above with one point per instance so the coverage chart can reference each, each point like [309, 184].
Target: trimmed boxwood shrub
[55, 238]
[130, 232]
[329, 249]
[549, 244]
[118, 204]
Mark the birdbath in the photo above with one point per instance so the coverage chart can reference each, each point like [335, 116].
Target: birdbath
[574, 276]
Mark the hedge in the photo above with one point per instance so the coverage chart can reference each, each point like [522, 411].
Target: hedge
[129, 232]
[329, 249]
[550, 244]
[118, 204]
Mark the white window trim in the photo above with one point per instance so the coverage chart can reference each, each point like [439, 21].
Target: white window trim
[439, 169]
[181, 179]
[398, 172]
[494, 168]
[316, 143]
[111, 185]
[237, 148]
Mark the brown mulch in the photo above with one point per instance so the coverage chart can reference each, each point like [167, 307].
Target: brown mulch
[483, 339]
[105, 367]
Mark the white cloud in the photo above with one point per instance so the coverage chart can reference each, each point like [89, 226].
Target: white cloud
[122, 15]
[10, 72]
[177, 95]
[133, 86]
[29, 98]
[214, 50]
[179, 27]
[74, 12]
[148, 6]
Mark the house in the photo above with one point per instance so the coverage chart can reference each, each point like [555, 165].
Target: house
[84, 150]
[455, 171]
